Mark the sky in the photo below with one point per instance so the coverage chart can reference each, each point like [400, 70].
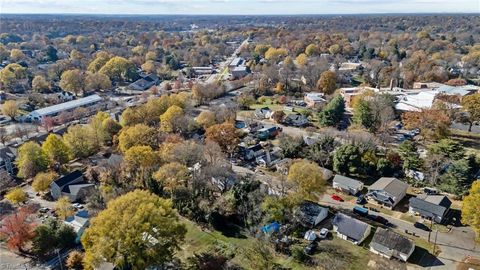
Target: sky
[212, 7]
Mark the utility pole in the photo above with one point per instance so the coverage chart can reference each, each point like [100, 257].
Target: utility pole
[430, 231]
[435, 243]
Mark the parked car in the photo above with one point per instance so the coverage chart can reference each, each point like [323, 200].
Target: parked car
[361, 199]
[381, 220]
[323, 233]
[360, 211]
[421, 226]
[337, 198]
[310, 248]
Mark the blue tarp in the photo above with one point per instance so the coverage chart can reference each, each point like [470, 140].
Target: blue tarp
[271, 228]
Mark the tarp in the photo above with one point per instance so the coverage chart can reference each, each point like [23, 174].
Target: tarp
[271, 228]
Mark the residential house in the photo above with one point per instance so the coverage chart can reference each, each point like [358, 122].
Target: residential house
[8, 155]
[141, 85]
[252, 152]
[236, 62]
[350, 229]
[346, 184]
[387, 191]
[296, 120]
[79, 222]
[263, 113]
[314, 100]
[268, 132]
[434, 207]
[239, 72]
[310, 214]
[72, 186]
[390, 244]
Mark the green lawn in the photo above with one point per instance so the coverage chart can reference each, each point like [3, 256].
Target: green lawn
[332, 253]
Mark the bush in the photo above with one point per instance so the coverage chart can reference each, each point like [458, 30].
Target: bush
[298, 255]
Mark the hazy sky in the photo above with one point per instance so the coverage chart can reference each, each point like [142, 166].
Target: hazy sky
[238, 6]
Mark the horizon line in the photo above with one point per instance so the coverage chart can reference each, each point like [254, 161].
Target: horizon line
[246, 14]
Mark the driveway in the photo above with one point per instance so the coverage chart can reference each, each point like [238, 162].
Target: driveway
[11, 261]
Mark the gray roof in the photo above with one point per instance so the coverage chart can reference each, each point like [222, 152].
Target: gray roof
[67, 105]
[391, 185]
[307, 212]
[351, 227]
[428, 209]
[347, 182]
[436, 199]
[392, 240]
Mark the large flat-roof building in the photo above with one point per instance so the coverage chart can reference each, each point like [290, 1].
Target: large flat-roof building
[69, 106]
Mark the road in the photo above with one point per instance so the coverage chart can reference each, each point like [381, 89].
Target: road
[454, 245]
[223, 66]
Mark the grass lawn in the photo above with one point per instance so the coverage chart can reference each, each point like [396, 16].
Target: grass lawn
[333, 254]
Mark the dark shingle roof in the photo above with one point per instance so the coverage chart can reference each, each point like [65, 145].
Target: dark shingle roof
[427, 208]
[307, 212]
[351, 227]
[66, 179]
[392, 240]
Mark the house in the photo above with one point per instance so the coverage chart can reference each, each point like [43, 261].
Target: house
[236, 62]
[268, 132]
[350, 229]
[71, 185]
[296, 120]
[8, 155]
[79, 222]
[263, 113]
[253, 152]
[435, 207]
[92, 103]
[310, 214]
[314, 100]
[142, 84]
[390, 244]
[350, 93]
[387, 191]
[239, 72]
[346, 184]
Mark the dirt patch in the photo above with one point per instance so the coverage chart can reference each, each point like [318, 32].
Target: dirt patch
[469, 263]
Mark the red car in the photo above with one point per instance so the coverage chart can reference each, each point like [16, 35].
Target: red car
[337, 198]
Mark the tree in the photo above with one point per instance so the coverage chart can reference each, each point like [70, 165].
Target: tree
[74, 260]
[433, 124]
[333, 112]
[409, 154]
[311, 50]
[225, 135]
[152, 226]
[98, 63]
[18, 229]
[96, 125]
[458, 177]
[302, 60]
[97, 81]
[448, 148]
[291, 146]
[278, 116]
[111, 128]
[119, 69]
[81, 141]
[259, 256]
[471, 105]
[10, 75]
[307, 176]
[206, 119]
[40, 84]
[321, 151]
[17, 55]
[10, 108]
[327, 82]
[56, 149]
[31, 160]
[140, 161]
[170, 120]
[63, 208]
[172, 175]
[73, 81]
[42, 181]
[347, 159]
[471, 208]
[52, 234]
[139, 134]
[16, 195]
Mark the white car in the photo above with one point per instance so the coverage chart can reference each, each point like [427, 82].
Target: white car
[323, 233]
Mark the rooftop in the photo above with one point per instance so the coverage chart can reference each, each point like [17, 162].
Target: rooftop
[392, 240]
[391, 185]
[67, 105]
[347, 181]
[351, 227]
